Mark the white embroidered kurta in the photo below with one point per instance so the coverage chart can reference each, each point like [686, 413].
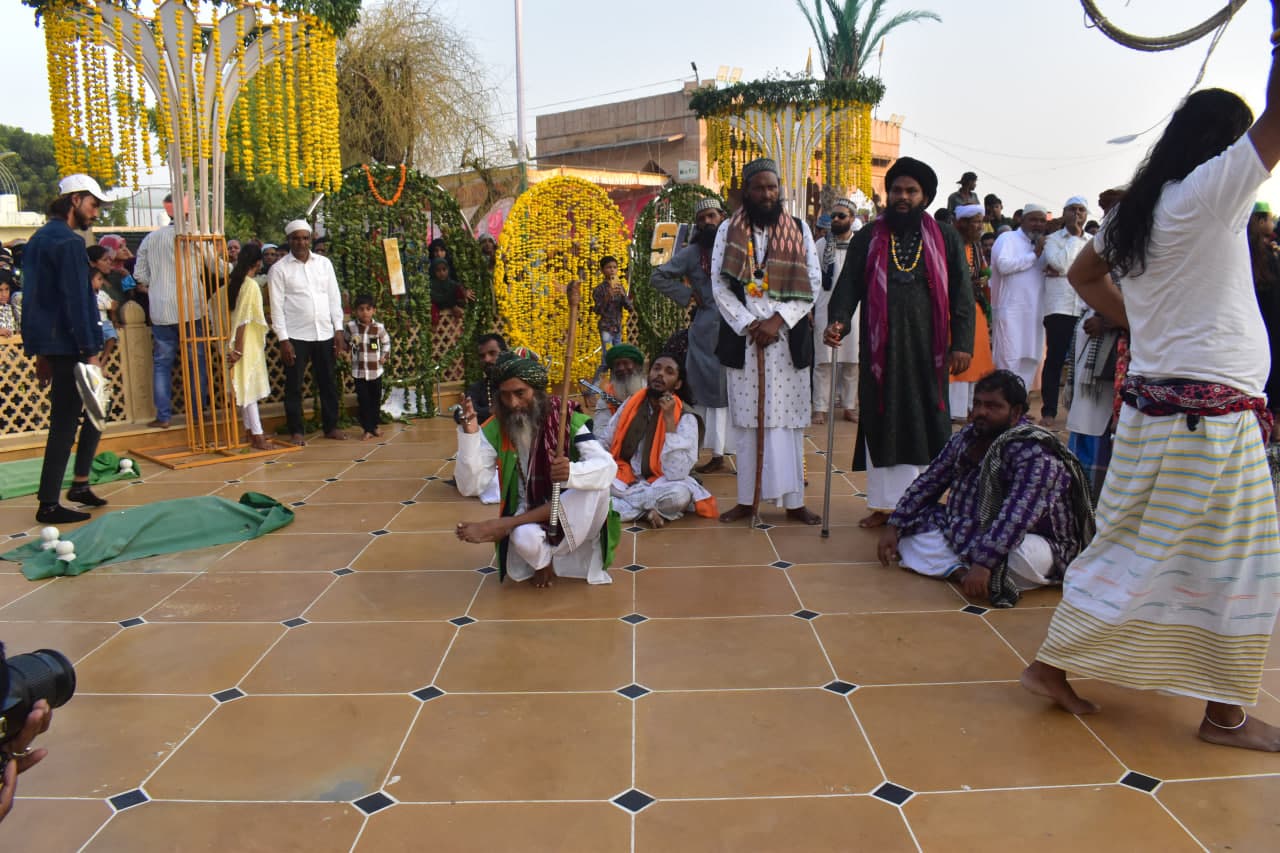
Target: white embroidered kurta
[1017, 291]
[848, 351]
[584, 508]
[676, 490]
[1060, 250]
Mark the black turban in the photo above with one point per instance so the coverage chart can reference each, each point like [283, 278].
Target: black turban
[913, 168]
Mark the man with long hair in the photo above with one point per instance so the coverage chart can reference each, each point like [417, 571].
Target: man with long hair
[909, 275]
[519, 441]
[1179, 589]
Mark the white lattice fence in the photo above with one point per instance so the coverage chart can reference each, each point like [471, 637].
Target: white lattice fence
[24, 405]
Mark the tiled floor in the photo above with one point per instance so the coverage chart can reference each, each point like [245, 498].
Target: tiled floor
[360, 681]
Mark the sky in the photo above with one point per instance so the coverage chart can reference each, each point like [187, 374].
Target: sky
[1019, 91]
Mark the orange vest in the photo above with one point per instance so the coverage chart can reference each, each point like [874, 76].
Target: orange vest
[622, 422]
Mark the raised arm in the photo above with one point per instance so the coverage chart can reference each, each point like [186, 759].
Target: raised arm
[1265, 133]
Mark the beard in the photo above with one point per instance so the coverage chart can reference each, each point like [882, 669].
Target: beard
[841, 228]
[990, 430]
[522, 425]
[902, 221]
[763, 215]
[705, 236]
[629, 386]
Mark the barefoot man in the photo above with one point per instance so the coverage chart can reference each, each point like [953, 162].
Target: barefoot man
[518, 440]
[654, 439]
[1179, 589]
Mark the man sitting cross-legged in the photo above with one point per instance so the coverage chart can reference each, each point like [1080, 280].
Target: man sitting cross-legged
[654, 438]
[519, 440]
[1018, 510]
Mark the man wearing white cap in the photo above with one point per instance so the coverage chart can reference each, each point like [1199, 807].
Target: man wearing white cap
[1017, 285]
[306, 314]
[1062, 305]
[831, 251]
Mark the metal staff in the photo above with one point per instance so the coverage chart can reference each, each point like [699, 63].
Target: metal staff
[831, 446]
[571, 293]
[755, 500]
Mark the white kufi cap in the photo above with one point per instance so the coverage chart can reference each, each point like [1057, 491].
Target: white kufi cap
[297, 225]
[965, 211]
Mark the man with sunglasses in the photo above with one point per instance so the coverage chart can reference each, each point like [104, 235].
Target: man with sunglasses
[844, 359]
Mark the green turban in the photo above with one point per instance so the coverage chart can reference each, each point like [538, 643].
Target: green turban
[618, 351]
[511, 365]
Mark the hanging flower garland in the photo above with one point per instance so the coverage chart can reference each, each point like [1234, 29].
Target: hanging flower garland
[374, 189]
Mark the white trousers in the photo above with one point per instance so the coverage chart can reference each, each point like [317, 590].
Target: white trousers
[929, 554]
[783, 478]
[716, 425]
[846, 386]
[886, 486]
[961, 398]
[670, 499]
[252, 421]
[583, 513]
[1025, 368]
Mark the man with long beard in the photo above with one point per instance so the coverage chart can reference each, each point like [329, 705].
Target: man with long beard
[692, 264]
[765, 276]
[519, 441]
[625, 364]
[844, 360]
[654, 441]
[910, 276]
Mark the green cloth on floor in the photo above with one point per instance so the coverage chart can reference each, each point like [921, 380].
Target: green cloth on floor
[23, 477]
[163, 527]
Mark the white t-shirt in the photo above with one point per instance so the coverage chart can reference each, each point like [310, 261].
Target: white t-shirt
[1192, 312]
[104, 305]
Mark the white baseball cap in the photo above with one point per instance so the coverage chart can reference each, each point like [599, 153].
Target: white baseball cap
[80, 183]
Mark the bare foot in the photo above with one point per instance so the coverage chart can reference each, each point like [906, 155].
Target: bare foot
[877, 519]
[259, 442]
[336, 435]
[801, 513]
[1051, 683]
[491, 530]
[819, 418]
[738, 513]
[851, 415]
[654, 519]
[298, 439]
[544, 577]
[368, 436]
[715, 463]
[1254, 734]
[1048, 422]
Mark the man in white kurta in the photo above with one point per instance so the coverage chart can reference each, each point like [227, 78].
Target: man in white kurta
[831, 253]
[1017, 292]
[760, 316]
[1062, 306]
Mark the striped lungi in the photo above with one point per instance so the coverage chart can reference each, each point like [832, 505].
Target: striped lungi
[1179, 589]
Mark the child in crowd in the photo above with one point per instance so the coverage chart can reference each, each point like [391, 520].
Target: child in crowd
[446, 294]
[370, 347]
[610, 297]
[247, 355]
[10, 314]
[106, 305]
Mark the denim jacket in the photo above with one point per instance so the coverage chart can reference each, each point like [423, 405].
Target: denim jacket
[59, 310]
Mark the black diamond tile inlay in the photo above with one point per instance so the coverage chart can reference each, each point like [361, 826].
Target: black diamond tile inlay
[342, 572]
[844, 688]
[431, 478]
[974, 609]
[781, 564]
[295, 622]
[271, 462]
[129, 623]
[891, 793]
[462, 621]
[634, 529]
[298, 503]
[139, 482]
[633, 801]
[763, 526]
[228, 695]
[407, 503]
[634, 618]
[805, 614]
[1140, 781]
[634, 567]
[428, 693]
[837, 471]
[379, 532]
[331, 479]
[486, 570]
[128, 799]
[17, 535]
[359, 460]
[634, 691]
[232, 482]
[375, 802]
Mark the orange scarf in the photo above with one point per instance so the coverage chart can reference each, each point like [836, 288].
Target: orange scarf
[706, 507]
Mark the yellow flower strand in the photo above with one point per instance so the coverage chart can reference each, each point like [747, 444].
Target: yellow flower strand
[288, 67]
[140, 118]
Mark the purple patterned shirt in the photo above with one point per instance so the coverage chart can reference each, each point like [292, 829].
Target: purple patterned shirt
[1037, 489]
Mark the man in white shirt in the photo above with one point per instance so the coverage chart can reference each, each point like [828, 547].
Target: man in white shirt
[1017, 291]
[306, 315]
[831, 249]
[1062, 305]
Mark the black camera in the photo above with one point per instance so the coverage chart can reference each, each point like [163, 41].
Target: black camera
[25, 680]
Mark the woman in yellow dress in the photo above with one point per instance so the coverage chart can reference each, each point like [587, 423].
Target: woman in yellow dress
[247, 352]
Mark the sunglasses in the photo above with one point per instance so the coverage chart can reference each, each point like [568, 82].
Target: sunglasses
[839, 216]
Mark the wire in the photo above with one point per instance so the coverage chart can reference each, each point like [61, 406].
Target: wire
[1070, 157]
[597, 95]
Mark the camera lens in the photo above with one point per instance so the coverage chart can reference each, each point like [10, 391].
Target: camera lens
[46, 674]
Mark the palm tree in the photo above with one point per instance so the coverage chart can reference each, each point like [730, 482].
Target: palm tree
[845, 45]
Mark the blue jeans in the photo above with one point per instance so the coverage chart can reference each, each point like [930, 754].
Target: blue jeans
[164, 350]
[608, 339]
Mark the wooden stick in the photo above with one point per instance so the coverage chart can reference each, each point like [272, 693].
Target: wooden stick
[755, 500]
[571, 293]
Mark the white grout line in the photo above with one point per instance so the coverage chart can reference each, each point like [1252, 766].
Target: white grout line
[1179, 822]
[359, 833]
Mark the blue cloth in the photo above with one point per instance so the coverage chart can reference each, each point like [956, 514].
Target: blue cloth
[59, 309]
[164, 351]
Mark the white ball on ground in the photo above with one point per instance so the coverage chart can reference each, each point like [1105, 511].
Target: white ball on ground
[65, 547]
[49, 534]
[49, 545]
[68, 557]
[126, 464]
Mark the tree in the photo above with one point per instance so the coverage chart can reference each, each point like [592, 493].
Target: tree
[261, 207]
[845, 44]
[410, 91]
[28, 159]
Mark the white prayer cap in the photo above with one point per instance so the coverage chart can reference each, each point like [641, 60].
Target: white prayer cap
[1077, 199]
[965, 211]
[297, 225]
[845, 203]
[1034, 208]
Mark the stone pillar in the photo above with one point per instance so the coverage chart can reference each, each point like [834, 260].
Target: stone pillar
[135, 364]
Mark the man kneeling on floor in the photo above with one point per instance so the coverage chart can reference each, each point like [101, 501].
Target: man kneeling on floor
[654, 439]
[1018, 510]
[519, 440]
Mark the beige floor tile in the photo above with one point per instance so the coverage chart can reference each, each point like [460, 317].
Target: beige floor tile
[14, 520]
[1064, 819]
[327, 748]
[423, 551]
[722, 546]
[441, 515]
[527, 827]
[94, 598]
[242, 827]
[349, 490]
[963, 722]
[869, 588]
[73, 639]
[811, 824]
[159, 658]
[54, 824]
[376, 469]
[1271, 682]
[15, 586]
[1156, 734]
[775, 742]
[187, 562]
[421, 453]
[515, 656]
[342, 518]
[718, 591]
[700, 654]
[236, 597]
[412, 596]
[396, 657]
[806, 545]
[151, 492]
[542, 747]
[219, 473]
[1228, 814]
[286, 469]
[1025, 629]
[569, 598]
[285, 551]
[1048, 596]
[285, 491]
[339, 451]
[915, 648]
[83, 762]
[438, 490]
